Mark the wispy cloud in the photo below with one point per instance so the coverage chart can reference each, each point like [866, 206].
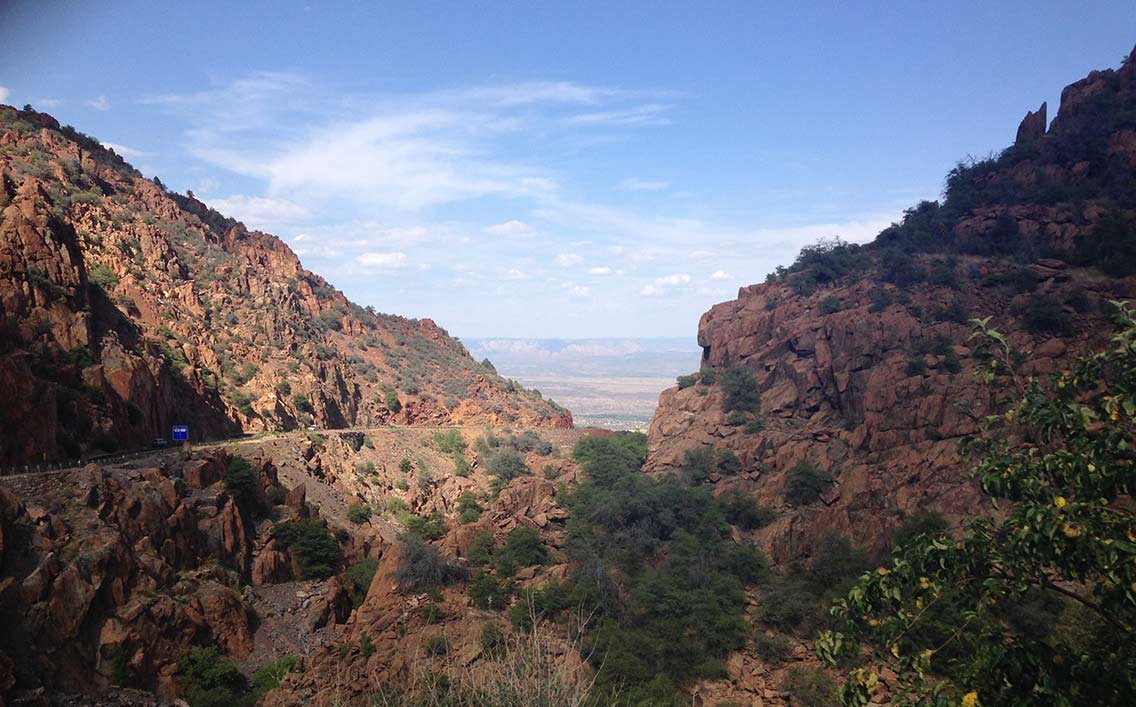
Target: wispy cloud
[567, 260]
[637, 184]
[511, 229]
[382, 260]
[720, 275]
[260, 212]
[4, 93]
[100, 103]
[648, 114]
[46, 102]
[125, 151]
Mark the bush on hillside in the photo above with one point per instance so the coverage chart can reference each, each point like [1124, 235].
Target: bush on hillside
[423, 568]
[210, 679]
[805, 483]
[740, 387]
[313, 545]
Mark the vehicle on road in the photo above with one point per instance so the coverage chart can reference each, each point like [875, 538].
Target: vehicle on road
[159, 443]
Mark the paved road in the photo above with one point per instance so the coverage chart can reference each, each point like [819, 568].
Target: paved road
[32, 469]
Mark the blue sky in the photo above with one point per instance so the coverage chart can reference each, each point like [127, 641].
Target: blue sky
[578, 170]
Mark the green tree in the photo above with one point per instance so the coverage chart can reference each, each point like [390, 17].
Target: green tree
[392, 401]
[952, 616]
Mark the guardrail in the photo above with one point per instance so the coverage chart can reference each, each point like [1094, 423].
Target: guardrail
[113, 457]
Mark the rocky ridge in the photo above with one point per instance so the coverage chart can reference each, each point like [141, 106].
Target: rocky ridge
[126, 307]
[862, 357]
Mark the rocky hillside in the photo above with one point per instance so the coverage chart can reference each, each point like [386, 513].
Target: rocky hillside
[126, 308]
[844, 383]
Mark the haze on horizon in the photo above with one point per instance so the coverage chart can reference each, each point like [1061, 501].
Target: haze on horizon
[612, 178]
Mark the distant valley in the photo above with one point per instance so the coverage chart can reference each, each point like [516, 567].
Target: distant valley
[610, 383]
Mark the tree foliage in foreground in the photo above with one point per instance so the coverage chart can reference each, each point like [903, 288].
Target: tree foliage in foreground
[1037, 606]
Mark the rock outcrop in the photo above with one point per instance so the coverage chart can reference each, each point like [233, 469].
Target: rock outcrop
[113, 574]
[1033, 126]
[862, 356]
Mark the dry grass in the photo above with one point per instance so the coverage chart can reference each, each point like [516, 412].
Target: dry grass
[540, 668]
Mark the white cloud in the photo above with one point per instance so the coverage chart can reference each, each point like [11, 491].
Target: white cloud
[515, 274]
[382, 260]
[637, 184]
[511, 229]
[258, 211]
[581, 290]
[566, 260]
[604, 270]
[124, 151]
[649, 114]
[4, 93]
[45, 102]
[663, 284]
[720, 275]
[100, 103]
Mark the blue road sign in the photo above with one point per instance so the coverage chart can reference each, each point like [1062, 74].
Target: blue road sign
[181, 433]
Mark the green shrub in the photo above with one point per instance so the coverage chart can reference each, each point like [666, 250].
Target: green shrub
[430, 613]
[392, 402]
[881, 300]
[301, 403]
[268, 676]
[432, 527]
[360, 574]
[469, 510]
[285, 388]
[209, 679]
[102, 276]
[687, 381]
[805, 483]
[405, 466]
[449, 441]
[811, 687]
[772, 649]
[506, 464]
[481, 551]
[492, 639]
[522, 548]
[359, 513]
[736, 418]
[832, 305]
[916, 366]
[366, 646]
[538, 604]
[402, 485]
[1043, 314]
[437, 646]
[924, 523]
[462, 467]
[488, 592]
[740, 387]
[706, 375]
[315, 548]
[741, 510]
[700, 463]
[365, 468]
[242, 484]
